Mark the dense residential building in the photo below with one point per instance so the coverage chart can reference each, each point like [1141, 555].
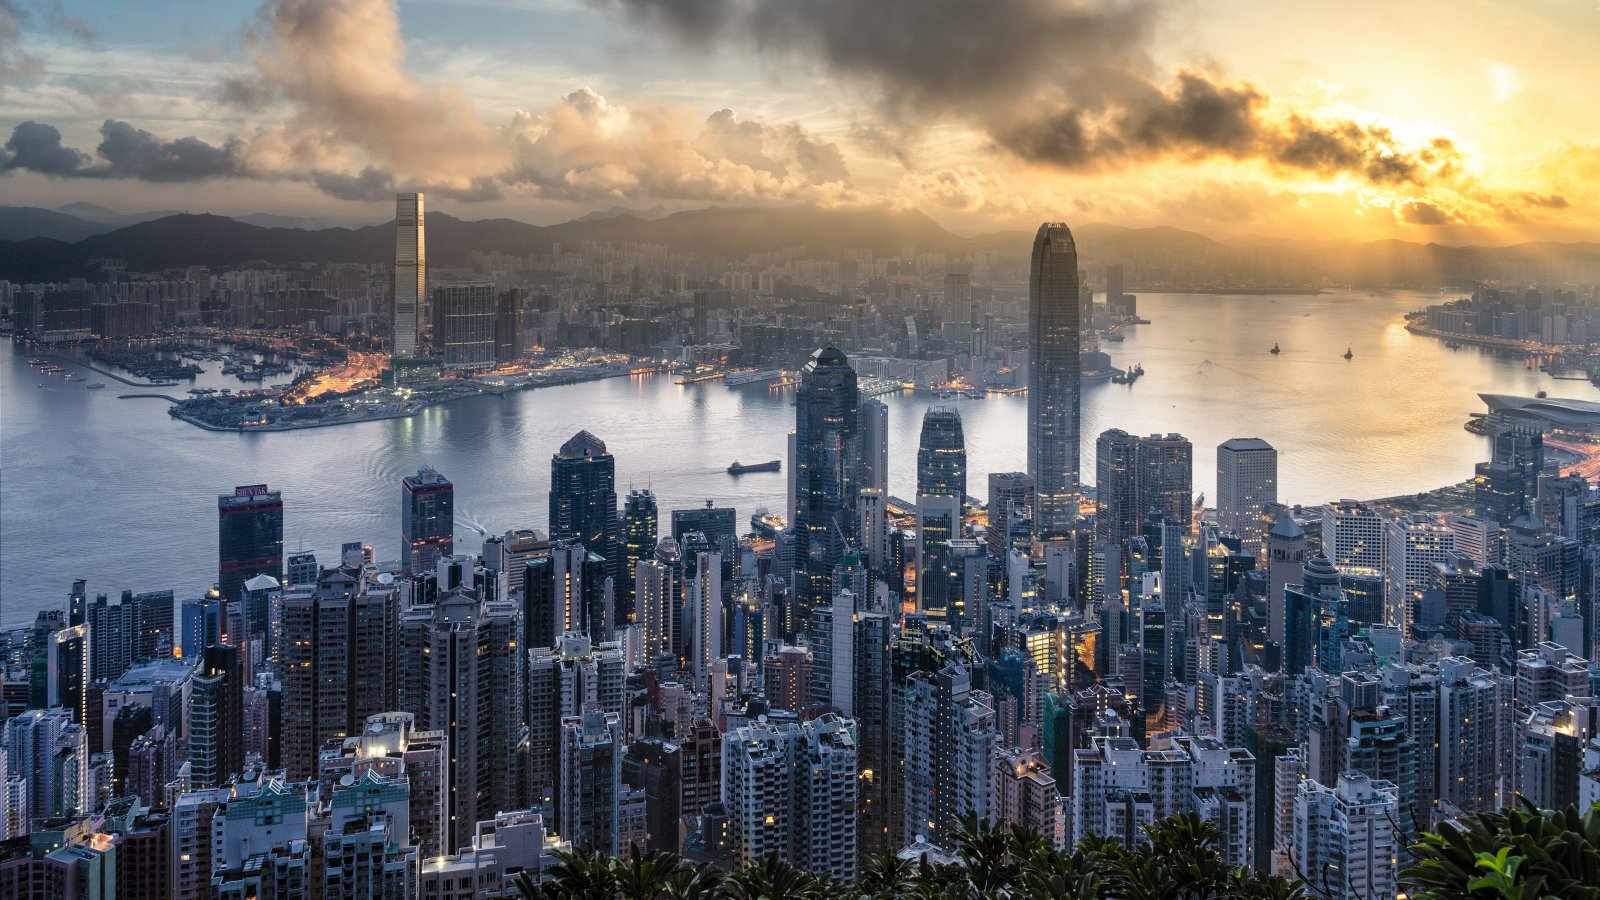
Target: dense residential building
[1345, 837]
[591, 780]
[790, 791]
[950, 737]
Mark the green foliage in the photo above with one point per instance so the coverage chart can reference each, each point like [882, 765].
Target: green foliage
[1179, 862]
[1515, 854]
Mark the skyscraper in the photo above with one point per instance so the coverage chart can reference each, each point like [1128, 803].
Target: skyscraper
[640, 526]
[583, 496]
[427, 519]
[826, 469]
[790, 791]
[1414, 545]
[1345, 839]
[950, 739]
[1136, 477]
[410, 272]
[339, 667]
[1010, 500]
[464, 317]
[508, 326]
[942, 454]
[1054, 372]
[591, 780]
[1247, 482]
[216, 716]
[249, 537]
[1352, 537]
[874, 423]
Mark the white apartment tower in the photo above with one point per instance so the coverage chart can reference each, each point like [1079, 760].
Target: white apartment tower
[1344, 836]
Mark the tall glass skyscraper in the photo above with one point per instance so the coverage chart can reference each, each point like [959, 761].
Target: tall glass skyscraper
[826, 469]
[1054, 371]
[942, 454]
[583, 497]
[640, 527]
[410, 272]
[427, 519]
[249, 537]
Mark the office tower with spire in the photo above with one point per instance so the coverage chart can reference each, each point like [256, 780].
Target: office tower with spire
[249, 537]
[583, 497]
[1054, 375]
[942, 454]
[826, 469]
[427, 519]
[410, 273]
[1247, 483]
[640, 526]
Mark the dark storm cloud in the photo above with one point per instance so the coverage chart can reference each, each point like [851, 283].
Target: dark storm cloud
[36, 147]
[128, 152]
[1066, 84]
[370, 183]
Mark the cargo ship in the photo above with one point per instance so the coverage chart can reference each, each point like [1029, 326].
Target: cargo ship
[739, 468]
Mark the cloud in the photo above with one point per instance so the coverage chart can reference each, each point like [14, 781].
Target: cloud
[1070, 85]
[1421, 212]
[126, 151]
[369, 184]
[15, 62]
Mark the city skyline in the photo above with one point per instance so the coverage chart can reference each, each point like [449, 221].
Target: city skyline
[1419, 144]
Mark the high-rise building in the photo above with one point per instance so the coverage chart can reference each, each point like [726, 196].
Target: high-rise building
[391, 744]
[1505, 486]
[942, 454]
[1352, 537]
[640, 527]
[216, 716]
[826, 470]
[427, 519]
[654, 593]
[249, 537]
[652, 765]
[339, 662]
[583, 497]
[1345, 840]
[1139, 477]
[874, 424]
[702, 608]
[1415, 544]
[1025, 794]
[464, 318]
[508, 327]
[410, 273]
[950, 736]
[1118, 788]
[1286, 552]
[1054, 373]
[461, 674]
[1010, 500]
[1247, 483]
[1474, 736]
[591, 780]
[790, 790]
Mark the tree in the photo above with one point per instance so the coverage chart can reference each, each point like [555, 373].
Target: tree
[1514, 854]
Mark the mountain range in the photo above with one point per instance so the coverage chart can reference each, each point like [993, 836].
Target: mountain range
[52, 245]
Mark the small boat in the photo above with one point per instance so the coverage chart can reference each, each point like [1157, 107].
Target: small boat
[1348, 354]
[1275, 351]
[94, 387]
[739, 468]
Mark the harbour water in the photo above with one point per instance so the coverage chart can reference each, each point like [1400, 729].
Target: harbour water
[118, 492]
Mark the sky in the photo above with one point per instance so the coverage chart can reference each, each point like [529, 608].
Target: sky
[1452, 121]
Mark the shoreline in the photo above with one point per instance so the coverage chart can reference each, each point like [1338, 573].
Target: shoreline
[409, 412]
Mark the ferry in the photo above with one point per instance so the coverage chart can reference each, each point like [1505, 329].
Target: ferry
[739, 468]
[1348, 354]
[36, 362]
[1275, 350]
